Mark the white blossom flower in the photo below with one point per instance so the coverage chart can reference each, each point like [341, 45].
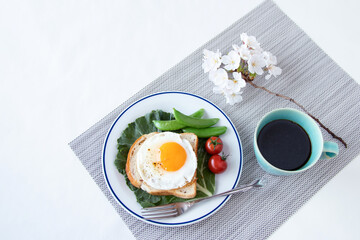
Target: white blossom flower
[231, 61]
[220, 90]
[208, 53]
[249, 51]
[230, 86]
[256, 64]
[269, 59]
[249, 41]
[256, 51]
[219, 77]
[211, 60]
[236, 48]
[245, 52]
[273, 71]
[230, 96]
[233, 86]
[244, 37]
[238, 80]
[233, 98]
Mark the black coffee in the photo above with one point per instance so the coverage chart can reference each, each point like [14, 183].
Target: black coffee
[284, 144]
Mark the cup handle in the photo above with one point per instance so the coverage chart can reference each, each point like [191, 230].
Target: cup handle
[330, 150]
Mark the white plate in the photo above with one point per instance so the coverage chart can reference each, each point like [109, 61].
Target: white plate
[186, 103]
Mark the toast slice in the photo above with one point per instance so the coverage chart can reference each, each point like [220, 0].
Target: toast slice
[187, 191]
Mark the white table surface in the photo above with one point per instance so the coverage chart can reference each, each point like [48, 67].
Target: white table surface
[66, 64]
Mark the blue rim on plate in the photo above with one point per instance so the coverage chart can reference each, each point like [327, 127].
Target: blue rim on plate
[162, 223]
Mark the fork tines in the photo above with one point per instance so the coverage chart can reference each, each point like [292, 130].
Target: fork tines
[164, 211]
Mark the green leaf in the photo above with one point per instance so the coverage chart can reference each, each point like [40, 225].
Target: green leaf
[253, 75]
[144, 125]
[206, 178]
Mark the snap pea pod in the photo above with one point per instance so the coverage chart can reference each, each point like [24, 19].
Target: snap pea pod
[206, 132]
[170, 125]
[194, 122]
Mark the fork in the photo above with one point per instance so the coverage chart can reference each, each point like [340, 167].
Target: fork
[176, 209]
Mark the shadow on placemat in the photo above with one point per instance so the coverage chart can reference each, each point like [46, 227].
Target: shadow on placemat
[309, 76]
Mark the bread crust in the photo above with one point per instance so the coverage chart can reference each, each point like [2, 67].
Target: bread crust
[131, 153]
[187, 191]
[133, 181]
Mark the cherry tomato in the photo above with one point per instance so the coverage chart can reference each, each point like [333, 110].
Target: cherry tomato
[214, 145]
[217, 164]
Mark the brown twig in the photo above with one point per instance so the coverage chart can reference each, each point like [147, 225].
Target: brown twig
[297, 104]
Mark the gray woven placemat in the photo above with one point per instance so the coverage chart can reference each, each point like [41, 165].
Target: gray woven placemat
[309, 76]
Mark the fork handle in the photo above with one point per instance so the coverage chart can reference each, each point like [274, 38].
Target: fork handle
[242, 188]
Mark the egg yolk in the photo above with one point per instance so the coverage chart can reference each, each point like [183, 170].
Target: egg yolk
[172, 156]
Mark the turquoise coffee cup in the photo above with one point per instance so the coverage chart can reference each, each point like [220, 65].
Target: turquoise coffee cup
[319, 148]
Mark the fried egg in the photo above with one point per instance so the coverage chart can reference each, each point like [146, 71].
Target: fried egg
[165, 161]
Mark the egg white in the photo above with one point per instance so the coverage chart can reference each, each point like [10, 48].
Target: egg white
[148, 159]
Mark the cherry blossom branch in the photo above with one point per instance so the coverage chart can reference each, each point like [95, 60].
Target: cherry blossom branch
[301, 106]
[244, 63]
